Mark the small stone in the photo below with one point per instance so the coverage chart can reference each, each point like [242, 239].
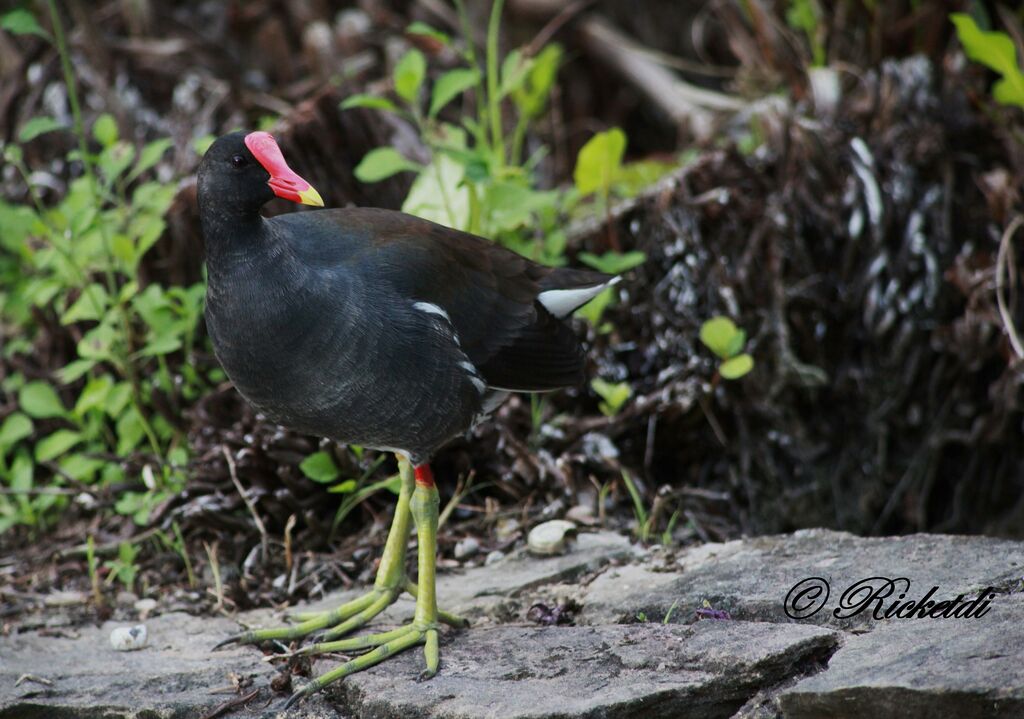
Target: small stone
[145, 607]
[127, 599]
[467, 547]
[505, 529]
[581, 514]
[550, 537]
[492, 557]
[127, 639]
[65, 599]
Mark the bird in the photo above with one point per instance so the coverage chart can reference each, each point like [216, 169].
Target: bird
[375, 328]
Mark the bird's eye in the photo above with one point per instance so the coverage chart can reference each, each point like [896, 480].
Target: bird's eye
[238, 161]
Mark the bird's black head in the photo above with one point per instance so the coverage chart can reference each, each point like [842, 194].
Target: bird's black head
[243, 171]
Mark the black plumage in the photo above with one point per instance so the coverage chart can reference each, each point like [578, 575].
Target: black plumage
[372, 326]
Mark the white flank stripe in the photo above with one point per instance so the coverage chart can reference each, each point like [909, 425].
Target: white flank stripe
[431, 309]
[561, 302]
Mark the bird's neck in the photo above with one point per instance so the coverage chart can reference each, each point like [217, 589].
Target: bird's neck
[232, 235]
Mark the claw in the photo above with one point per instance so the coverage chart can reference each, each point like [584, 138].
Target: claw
[295, 699]
[233, 639]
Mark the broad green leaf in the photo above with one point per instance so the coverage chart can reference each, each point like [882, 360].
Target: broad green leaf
[421, 28]
[15, 428]
[736, 367]
[91, 304]
[115, 159]
[599, 160]
[613, 263]
[105, 129]
[373, 102]
[718, 335]
[22, 22]
[613, 394]
[130, 431]
[736, 345]
[117, 399]
[438, 194]
[70, 372]
[996, 51]
[450, 85]
[94, 394]
[56, 444]
[96, 343]
[381, 163]
[80, 467]
[319, 467]
[150, 155]
[38, 126]
[409, 74]
[40, 400]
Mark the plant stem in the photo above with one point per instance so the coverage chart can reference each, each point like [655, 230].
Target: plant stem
[493, 100]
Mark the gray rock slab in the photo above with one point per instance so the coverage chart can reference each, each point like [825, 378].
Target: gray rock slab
[643, 671]
[476, 591]
[175, 676]
[923, 668]
[751, 578]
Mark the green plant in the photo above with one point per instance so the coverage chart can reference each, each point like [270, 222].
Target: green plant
[643, 518]
[94, 575]
[77, 260]
[808, 17]
[476, 178]
[721, 336]
[614, 395]
[124, 569]
[996, 51]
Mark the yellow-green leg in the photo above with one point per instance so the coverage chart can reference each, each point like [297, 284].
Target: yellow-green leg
[389, 584]
[423, 507]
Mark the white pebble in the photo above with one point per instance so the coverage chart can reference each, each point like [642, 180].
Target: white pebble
[127, 639]
[550, 537]
[466, 547]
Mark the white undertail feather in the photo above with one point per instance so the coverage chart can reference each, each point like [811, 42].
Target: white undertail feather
[562, 302]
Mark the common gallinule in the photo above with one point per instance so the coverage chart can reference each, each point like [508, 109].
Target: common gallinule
[376, 328]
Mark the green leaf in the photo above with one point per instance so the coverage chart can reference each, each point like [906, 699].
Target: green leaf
[150, 155]
[409, 74]
[438, 194]
[91, 304]
[96, 343]
[381, 163]
[736, 344]
[718, 335]
[105, 129]
[80, 467]
[996, 51]
[373, 102]
[613, 263]
[421, 28]
[69, 373]
[514, 70]
[94, 394]
[38, 126]
[22, 22]
[346, 487]
[450, 85]
[532, 95]
[40, 400]
[15, 428]
[130, 431]
[599, 160]
[56, 444]
[736, 367]
[613, 394]
[117, 399]
[319, 467]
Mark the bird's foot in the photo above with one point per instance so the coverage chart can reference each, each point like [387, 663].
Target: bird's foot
[337, 622]
[377, 648]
